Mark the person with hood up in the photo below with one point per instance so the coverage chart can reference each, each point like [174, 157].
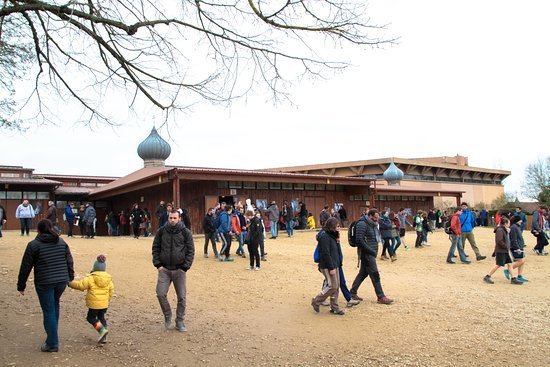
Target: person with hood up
[99, 289]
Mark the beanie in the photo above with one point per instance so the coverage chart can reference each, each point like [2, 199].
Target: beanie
[99, 264]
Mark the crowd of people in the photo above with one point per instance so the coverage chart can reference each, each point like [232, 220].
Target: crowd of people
[173, 251]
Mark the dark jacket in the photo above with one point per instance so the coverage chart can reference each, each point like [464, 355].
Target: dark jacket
[385, 227]
[137, 215]
[516, 238]
[366, 233]
[173, 247]
[255, 232]
[343, 214]
[208, 225]
[160, 212]
[432, 216]
[323, 217]
[287, 212]
[2, 214]
[51, 214]
[329, 257]
[51, 259]
[185, 218]
[502, 240]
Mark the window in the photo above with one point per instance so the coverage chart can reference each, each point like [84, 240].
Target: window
[298, 186]
[331, 187]
[101, 184]
[29, 195]
[235, 184]
[221, 184]
[351, 198]
[382, 198]
[275, 185]
[320, 187]
[357, 197]
[88, 184]
[249, 185]
[14, 195]
[287, 186]
[2, 195]
[339, 188]
[366, 197]
[43, 195]
[70, 183]
[6, 174]
[310, 187]
[404, 198]
[262, 185]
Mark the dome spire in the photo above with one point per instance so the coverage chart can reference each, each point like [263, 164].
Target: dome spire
[154, 150]
[393, 175]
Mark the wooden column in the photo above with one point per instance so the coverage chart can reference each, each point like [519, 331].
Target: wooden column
[176, 188]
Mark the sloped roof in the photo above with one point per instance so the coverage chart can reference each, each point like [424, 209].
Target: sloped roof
[28, 181]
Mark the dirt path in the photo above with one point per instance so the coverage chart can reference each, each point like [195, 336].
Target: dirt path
[444, 315]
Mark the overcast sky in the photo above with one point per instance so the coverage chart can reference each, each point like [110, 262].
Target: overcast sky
[467, 77]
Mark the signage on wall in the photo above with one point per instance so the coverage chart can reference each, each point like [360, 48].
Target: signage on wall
[232, 191]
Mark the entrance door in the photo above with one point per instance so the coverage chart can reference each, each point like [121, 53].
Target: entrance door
[314, 205]
[210, 201]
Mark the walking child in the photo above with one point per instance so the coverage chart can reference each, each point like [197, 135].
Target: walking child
[100, 288]
[502, 252]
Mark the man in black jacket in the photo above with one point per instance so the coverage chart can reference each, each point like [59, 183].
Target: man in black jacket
[173, 253]
[209, 228]
[368, 236]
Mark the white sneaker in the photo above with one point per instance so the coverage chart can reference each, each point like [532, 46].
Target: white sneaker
[426, 244]
[257, 268]
[249, 268]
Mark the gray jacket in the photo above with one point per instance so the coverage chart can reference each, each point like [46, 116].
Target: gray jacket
[273, 212]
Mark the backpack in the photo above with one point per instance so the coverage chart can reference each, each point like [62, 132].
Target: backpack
[447, 226]
[316, 254]
[352, 236]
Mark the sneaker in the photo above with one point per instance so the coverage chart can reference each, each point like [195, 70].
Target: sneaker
[257, 268]
[356, 297]
[352, 302]
[180, 326]
[393, 258]
[249, 268]
[315, 307]
[167, 322]
[46, 348]
[406, 248]
[516, 281]
[487, 279]
[339, 312]
[216, 256]
[385, 300]
[522, 279]
[383, 257]
[263, 258]
[102, 335]
[466, 262]
[228, 259]
[450, 262]
[104, 341]
[244, 256]
[426, 244]
[206, 256]
[480, 257]
[455, 256]
[507, 274]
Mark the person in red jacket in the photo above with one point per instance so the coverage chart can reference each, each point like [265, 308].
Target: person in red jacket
[456, 239]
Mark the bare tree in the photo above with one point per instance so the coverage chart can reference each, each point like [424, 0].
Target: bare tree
[537, 179]
[173, 53]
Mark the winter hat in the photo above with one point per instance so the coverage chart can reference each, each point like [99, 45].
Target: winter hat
[99, 264]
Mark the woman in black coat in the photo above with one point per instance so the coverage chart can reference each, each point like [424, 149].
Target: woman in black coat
[329, 262]
[52, 261]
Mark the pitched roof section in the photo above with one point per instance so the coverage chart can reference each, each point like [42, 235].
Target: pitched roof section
[28, 181]
[134, 177]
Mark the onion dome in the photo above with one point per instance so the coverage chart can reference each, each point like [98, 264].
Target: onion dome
[154, 150]
[393, 175]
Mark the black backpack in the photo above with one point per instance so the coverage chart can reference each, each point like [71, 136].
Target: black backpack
[447, 226]
[352, 235]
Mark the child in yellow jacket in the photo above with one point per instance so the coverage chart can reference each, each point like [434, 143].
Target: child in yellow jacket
[310, 221]
[100, 288]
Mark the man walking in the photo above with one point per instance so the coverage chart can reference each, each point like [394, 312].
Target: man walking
[367, 237]
[324, 216]
[51, 215]
[456, 239]
[173, 254]
[467, 223]
[24, 213]
[69, 217]
[538, 230]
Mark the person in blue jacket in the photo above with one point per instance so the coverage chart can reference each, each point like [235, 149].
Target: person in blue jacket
[467, 223]
[522, 216]
[69, 217]
[224, 229]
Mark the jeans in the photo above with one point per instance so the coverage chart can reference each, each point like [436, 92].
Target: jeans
[456, 241]
[273, 226]
[425, 235]
[49, 296]
[25, 225]
[419, 238]
[240, 241]
[0, 228]
[343, 285]
[388, 245]
[70, 223]
[262, 246]
[289, 227]
[395, 242]
[165, 278]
